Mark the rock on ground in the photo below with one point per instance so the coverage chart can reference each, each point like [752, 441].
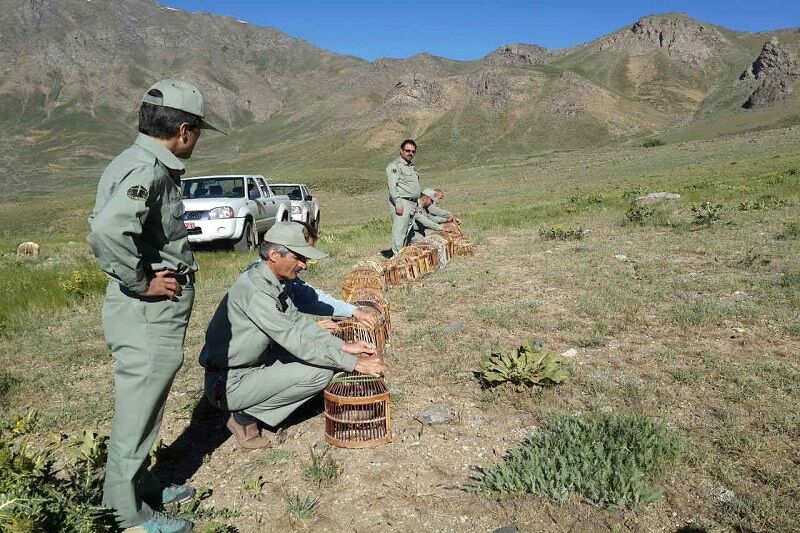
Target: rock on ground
[655, 197]
[28, 249]
[438, 413]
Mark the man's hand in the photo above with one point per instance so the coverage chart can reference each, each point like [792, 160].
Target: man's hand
[360, 348]
[162, 283]
[398, 209]
[371, 366]
[367, 316]
[328, 325]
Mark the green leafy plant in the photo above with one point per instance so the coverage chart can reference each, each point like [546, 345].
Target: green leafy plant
[609, 459]
[274, 457]
[322, 468]
[36, 495]
[707, 213]
[302, 507]
[82, 283]
[526, 365]
[253, 484]
[561, 234]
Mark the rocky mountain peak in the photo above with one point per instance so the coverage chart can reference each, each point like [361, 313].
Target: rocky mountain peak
[676, 35]
[518, 54]
[779, 72]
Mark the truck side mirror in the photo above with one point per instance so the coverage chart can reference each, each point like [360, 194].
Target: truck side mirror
[309, 197]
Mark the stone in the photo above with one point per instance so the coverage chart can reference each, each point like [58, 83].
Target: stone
[723, 494]
[417, 447]
[506, 529]
[438, 413]
[571, 352]
[621, 257]
[655, 197]
[455, 327]
[28, 249]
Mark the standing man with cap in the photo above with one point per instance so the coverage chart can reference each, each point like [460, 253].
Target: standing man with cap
[139, 239]
[263, 357]
[404, 190]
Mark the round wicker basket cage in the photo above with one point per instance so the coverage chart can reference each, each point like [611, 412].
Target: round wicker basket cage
[361, 278]
[463, 246]
[351, 330]
[357, 411]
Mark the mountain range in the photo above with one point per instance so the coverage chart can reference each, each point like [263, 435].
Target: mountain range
[73, 72]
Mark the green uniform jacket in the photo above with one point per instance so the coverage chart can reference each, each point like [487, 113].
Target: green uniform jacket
[137, 222]
[437, 213]
[256, 317]
[403, 180]
[424, 221]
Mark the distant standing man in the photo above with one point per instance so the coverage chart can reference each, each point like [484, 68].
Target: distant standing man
[404, 191]
[139, 239]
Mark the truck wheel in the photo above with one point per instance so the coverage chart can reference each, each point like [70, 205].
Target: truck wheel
[246, 241]
[316, 224]
[285, 217]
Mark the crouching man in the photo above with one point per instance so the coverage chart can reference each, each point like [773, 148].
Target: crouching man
[263, 357]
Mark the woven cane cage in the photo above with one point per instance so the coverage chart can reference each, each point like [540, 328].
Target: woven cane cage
[359, 278]
[357, 411]
[463, 246]
[351, 330]
[451, 228]
[374, 264]
[368, 298]
[443, 241]
[440, 250]
[433, 254]
[401, 269]
[447, 239]
[420, 257]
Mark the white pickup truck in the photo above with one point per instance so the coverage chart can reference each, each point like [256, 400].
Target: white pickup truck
[237, 208]
[304, 207]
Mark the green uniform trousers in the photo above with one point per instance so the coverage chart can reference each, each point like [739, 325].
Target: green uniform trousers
[145, 336]
[270, 392]
[401, 224]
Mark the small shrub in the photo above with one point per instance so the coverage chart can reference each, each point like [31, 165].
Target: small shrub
[275, 457]
[322, 468]
[632, 194]
[526, 365]
[82, 283]
[609, 459]
[561, 234]
[302, 507]
[791, 230]
[707, 213]
[650, 143]
[752, 206]
[639, 214]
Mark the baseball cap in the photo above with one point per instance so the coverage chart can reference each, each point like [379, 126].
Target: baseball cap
[429, 193]
[295, 237]
[180, 95]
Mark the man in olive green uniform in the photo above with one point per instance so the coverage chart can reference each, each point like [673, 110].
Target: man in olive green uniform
[438, 213]
[423, 222]
[404, 190]
[139, 239]
[263, 357]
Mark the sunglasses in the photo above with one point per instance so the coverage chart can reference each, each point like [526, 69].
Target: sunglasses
[410, 151]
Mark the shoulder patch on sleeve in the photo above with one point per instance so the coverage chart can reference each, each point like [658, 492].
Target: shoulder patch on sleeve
[137, 192]
[394, 169]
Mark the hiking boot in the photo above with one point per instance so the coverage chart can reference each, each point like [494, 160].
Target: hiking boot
[248, 437]
[161, 523]
[177, 494]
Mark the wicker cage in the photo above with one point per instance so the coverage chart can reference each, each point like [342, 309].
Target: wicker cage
[432, 252]
[463, 246]
[401, 269]
[440, 249]
[359, 278]
[451, 228]
[367, 298]
[442, 241]
[351, 330]
[420, 257]
[357, 411]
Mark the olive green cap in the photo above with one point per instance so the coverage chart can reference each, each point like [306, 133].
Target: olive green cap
[430, 193]
[295, 237]
[180, 95]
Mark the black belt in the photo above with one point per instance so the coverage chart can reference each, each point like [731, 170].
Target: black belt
[213, 368]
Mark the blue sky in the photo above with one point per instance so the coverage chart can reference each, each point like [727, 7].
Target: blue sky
[468, 29]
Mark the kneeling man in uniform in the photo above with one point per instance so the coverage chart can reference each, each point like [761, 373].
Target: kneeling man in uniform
[263, 357]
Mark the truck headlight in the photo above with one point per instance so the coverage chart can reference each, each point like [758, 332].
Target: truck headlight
[220, 212]
[296, 209]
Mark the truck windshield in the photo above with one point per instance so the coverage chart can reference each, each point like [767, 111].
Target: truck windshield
[292, 191]
[213, 188]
